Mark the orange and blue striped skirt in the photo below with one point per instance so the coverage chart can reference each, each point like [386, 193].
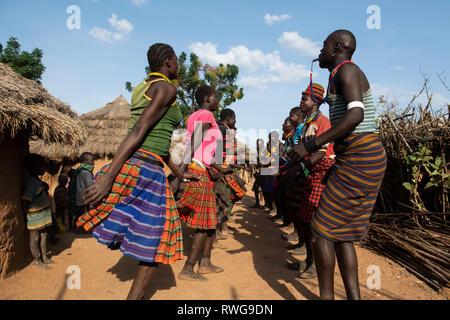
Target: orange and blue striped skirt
[139, 216]
[352, 188]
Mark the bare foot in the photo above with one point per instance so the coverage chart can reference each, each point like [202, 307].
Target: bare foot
[49, 261]
[309, 273]
[209, 269]
[39, 264]
[191, 275]
[222, 236]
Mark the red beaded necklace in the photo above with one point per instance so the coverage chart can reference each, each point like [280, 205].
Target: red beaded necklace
[333, 73]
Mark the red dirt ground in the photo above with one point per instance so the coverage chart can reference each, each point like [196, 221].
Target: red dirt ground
[254, 263]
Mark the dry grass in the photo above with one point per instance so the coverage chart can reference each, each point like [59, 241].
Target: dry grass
[104, 129]
[26, 104]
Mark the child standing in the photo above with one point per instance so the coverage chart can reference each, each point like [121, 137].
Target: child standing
[61, 196]
[226, 155]
[72, 191]
[84, 179]
[280, 188]
[37, 209]
[297, 118]
[197, 205]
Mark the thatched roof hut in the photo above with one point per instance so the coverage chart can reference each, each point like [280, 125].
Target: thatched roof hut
[105, 128]
[25, 104]
[26, 109]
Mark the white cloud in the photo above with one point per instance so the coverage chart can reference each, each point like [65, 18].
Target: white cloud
[293, 40]
[121, 26]
[271, 19]
[253, 63]
[139, 3]
[101, 34]
[121, 29]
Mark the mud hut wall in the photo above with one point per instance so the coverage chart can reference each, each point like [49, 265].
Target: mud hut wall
[13, 235]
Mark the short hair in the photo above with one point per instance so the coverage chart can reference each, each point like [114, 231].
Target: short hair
[226, 114]
[347, 38]
[63, 179]
[156, 55]
[297, 110]
[202, 92]
[31, 159]
[84, 156]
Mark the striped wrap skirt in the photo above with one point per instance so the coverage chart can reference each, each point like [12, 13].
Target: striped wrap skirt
[351, 189]
[224, 201]
[306, 194]
[235, 185]
[139, 216]
[198, 203]
[39, 220]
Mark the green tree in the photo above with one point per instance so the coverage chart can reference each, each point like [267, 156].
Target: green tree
[194, 74]
[29, 65]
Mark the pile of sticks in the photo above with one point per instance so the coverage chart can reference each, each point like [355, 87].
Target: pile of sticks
[418, 242]
[417, 239]
[417, 123]
[402, 130]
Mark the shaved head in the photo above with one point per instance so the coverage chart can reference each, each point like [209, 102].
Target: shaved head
[346, 39]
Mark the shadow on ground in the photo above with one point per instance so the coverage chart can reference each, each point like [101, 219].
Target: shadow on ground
[164, 279]
[260, 236]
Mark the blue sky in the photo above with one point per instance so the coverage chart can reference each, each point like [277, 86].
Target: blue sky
[88, 67]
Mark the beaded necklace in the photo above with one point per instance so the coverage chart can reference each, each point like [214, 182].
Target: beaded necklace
[333, 73]
[313, 117]
[157, 74]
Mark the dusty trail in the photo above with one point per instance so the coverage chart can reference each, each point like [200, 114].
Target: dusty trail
[254, 264]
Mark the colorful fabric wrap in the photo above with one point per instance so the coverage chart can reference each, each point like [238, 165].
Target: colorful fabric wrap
[223, 200]
[139, 216]
[352, 188]
[39, 220]
[233, 183]
[307, 191]
[85, 166]
[198, 201]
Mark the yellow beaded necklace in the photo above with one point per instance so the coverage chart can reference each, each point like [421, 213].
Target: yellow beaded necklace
[157, 74]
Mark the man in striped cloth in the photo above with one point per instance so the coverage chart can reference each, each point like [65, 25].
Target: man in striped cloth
[354, 181]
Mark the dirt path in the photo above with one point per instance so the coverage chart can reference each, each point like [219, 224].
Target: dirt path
[254, 264]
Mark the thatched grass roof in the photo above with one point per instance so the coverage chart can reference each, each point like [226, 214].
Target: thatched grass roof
[105, 128]
[24, 104]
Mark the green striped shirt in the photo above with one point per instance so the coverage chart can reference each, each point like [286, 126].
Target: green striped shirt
[338, 107]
